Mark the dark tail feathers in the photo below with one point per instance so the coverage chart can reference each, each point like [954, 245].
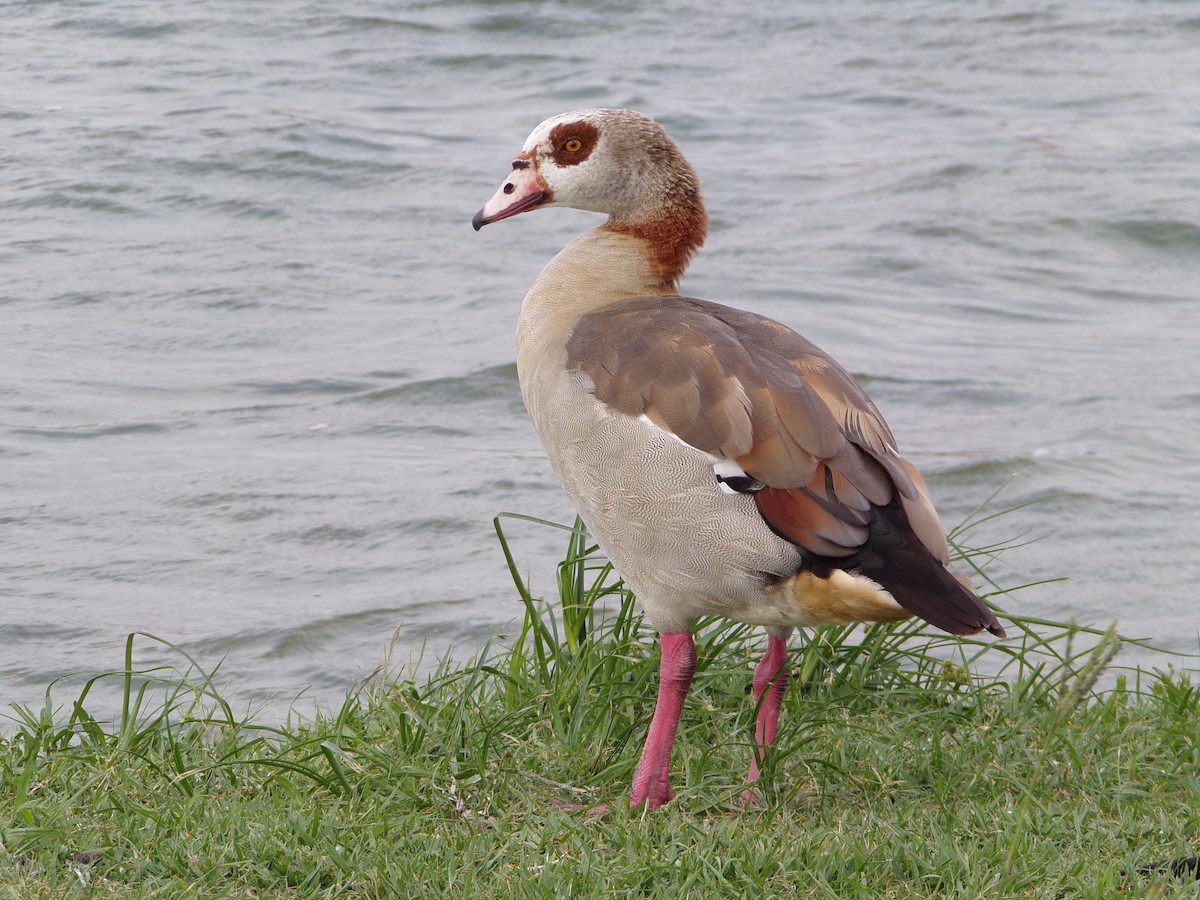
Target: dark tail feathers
[898, 561]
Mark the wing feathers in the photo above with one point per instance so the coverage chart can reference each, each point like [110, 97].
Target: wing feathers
[738, 386]
[814, 449]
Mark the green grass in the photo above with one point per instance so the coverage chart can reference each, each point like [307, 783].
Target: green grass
[899, 771]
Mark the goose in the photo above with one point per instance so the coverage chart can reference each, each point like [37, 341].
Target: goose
[725, 465]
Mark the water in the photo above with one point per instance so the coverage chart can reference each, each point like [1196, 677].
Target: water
[256, 387]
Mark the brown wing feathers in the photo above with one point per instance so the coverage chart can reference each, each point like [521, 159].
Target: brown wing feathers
[644, 361]
[740, 386]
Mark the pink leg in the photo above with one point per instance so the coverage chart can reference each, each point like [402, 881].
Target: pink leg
[675, 671]
[771, 677]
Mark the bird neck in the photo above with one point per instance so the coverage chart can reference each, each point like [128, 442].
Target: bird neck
[670, 234]
[595, 270]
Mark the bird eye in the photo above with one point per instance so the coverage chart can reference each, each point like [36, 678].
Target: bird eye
[574, 145]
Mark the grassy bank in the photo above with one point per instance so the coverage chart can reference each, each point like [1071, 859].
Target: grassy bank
[899, 771]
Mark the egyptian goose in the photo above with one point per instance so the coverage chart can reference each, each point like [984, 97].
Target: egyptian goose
[725, 464]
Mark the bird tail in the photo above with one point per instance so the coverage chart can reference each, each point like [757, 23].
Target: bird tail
[903, 566]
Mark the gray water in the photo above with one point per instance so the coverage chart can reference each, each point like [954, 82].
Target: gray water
[257, 393]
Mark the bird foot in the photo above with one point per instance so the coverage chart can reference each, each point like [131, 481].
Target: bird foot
[592, 809]
[751, 799]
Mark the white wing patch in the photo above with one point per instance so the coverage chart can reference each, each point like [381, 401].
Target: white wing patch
[733, 479]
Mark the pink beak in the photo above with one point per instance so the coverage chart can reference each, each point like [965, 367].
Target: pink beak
[523, 191]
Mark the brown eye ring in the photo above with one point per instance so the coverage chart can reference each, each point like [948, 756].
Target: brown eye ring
[573, 142]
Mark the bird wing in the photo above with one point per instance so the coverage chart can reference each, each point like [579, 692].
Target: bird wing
[749, 391]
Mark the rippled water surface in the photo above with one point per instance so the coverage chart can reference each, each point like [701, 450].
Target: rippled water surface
[257, 394]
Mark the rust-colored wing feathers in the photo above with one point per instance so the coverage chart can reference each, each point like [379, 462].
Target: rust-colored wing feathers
[814, 518]
[743, 387]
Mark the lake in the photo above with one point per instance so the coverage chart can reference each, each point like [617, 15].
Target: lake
[257, 392]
